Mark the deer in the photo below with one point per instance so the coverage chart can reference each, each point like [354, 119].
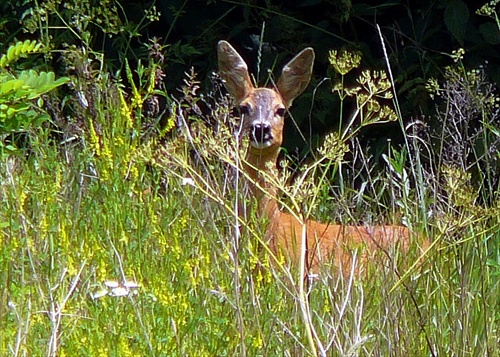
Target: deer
[263, 112]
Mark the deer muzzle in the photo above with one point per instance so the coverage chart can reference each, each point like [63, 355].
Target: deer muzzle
[261, 135]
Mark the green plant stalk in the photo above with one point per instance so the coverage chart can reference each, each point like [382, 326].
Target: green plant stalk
[357, 113]
[488, 177]
[303, 302]
[322, 181]
[341, 107]
[236, 246]
[138, 27]
[178, 14]
[341, 180]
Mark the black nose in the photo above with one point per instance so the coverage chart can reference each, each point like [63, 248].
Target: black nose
[261, 133]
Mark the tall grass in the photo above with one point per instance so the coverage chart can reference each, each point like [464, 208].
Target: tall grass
[85, 220]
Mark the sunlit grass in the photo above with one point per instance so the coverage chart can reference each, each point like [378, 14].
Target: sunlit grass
[113, 209]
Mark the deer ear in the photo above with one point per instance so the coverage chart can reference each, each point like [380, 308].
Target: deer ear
[234, 72]
[296, 76]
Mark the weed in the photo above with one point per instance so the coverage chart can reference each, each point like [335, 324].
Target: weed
[132, 240]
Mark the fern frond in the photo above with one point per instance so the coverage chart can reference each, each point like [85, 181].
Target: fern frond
[18, 50]
[28, 85]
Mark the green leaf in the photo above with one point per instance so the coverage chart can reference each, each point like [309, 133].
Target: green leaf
[490, 33]
[456, 16]
[37, 84]
[14, 52]
[10, 86]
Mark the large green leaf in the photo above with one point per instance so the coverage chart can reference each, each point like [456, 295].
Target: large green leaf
[10, 86]
[456, 16]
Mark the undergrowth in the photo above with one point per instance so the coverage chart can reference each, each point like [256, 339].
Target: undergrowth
[121, 234]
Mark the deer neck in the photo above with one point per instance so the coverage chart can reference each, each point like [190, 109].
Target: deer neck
[260, 166]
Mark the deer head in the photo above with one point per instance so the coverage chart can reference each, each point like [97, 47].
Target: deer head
[263, 109]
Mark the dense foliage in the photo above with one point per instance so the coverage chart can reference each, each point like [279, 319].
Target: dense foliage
[119, 228]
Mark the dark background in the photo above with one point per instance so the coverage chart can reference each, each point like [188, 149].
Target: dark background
[419, 37]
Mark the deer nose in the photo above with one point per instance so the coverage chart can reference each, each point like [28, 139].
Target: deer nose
[261, 133]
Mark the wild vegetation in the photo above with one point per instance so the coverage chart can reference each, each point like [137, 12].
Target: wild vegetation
[119, 226]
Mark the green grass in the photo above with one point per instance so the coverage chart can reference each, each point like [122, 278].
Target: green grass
[113, 208]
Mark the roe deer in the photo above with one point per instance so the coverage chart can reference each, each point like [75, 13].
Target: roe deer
[262, 111]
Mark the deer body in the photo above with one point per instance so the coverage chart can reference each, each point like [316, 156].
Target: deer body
[263, 111]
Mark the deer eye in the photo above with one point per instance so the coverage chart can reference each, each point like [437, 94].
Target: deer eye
[244, 109]
[280, 112]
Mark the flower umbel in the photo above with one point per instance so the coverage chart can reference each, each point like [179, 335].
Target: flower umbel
[344, 61]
